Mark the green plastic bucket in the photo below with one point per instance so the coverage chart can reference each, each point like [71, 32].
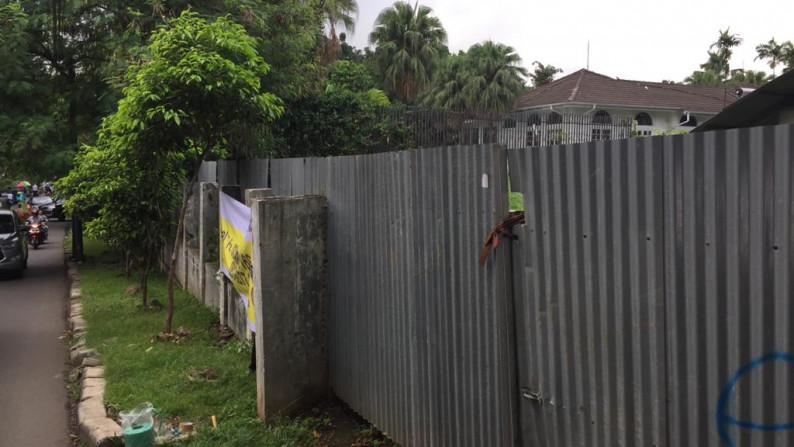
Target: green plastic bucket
[139, 435]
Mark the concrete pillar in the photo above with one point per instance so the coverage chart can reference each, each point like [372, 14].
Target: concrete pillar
[256, 194]
[208, 227]
[290, 294]
[235, 192]
[250, 196]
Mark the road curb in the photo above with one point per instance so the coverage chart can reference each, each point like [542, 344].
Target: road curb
[94, 427]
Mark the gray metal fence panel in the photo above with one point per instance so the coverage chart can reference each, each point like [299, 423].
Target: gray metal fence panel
[649, 274]
[281, 178]
[419, 332]
[208, 172]
[590, 316]
[728, 266]
[227, 172]
[253, 173]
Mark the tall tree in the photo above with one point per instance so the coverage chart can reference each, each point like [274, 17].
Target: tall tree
[717, 63]
[337, 13]
[543, 74]
[705, 78]
[788, 56]
[409, 42]
[772, 51]
[202, 83]
[756, 78]
[77, 52]
[716, 71]
[724, 44]
[447, 90]
[495, 77]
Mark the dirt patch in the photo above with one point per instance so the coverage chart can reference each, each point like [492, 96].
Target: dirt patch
[342, 427]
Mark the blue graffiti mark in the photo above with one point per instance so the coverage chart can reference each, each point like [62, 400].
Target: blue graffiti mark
[724, 421]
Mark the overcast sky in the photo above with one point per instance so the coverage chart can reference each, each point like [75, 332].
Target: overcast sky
[649, 41]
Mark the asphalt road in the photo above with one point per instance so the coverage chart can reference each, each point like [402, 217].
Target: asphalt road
[33, 401]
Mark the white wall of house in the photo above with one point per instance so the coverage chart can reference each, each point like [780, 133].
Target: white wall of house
[522, 133]
[664, 120]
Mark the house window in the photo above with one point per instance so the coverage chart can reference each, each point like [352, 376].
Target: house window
[534, 120]
[643, 133]
[602, 117]
[683, 122]
[509, 123]
[533, 138]
[643, 119]
[555, 118]
[601, 134]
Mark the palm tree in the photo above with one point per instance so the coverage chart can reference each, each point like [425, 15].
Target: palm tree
[787, 56]
[718, 64]
[756, 78]
[495, 77]
[772, 51]
[725, 42]
[447, 90]
[543, 74]
[337, 13]
[409, 42]
[706, 78]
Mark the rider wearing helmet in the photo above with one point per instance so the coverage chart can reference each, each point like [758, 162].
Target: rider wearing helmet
[39, 218]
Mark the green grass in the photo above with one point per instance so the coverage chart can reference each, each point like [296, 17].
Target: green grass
[516, 201]
[139, 370]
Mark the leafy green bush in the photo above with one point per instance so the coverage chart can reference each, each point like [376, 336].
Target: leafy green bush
[338, 122]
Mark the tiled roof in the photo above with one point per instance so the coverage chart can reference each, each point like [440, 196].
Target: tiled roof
[587, 87]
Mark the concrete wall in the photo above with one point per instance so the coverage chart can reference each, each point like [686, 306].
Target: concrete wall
[212, 291]
[194, 276]
[197, 262]
[290, 295]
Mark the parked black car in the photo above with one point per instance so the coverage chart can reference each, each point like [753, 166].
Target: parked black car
[13, 243]
[52, 209]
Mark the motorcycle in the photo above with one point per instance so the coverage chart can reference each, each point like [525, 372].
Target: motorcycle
[35, 235]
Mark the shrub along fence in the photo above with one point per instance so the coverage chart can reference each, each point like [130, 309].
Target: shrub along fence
[645, 301]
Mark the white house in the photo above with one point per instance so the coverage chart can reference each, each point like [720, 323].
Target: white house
[586, 106]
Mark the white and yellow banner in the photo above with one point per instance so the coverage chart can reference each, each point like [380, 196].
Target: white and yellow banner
[237, 250]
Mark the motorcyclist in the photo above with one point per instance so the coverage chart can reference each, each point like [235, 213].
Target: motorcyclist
[39, 218]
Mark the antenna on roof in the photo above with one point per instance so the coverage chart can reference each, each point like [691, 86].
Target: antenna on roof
[588, 54]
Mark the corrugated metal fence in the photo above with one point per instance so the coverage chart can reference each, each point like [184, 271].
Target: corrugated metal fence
[647, 301]
[419, 338]
[656, 274]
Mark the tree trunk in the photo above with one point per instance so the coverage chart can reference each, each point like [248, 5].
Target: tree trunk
[180, 229]
[147, 264]
[128, 260]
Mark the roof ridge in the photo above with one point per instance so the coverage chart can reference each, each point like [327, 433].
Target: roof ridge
[576, 87]
[694, 91]
[599, 74]
[672, 85]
